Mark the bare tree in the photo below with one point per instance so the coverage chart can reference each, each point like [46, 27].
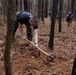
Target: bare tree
[74, 67]
[42, 10]
[46, 9]
[4, 4]
[20, 4]
[16, 5]
[39, 9]
[73, 4]
[53, 19]
[10, 17]
[26, 5]
[60, 14]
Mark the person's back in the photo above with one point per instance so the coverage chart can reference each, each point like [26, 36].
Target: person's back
[23, 17]
[69, 14]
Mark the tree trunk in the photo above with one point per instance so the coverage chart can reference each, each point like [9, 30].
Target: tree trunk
[4, 4]
[42, 11]
[60, 15]
[29, 5]
[16, 5]
[10, 17]
[74, 67]
[46, 9]
[72, 4]
[20, 4]
[53, 19]
[39, 9]
[26, 5]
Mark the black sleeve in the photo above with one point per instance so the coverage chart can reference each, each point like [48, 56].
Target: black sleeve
[35, 27]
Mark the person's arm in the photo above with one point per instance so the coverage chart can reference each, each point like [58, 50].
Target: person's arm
[34, 22]
[36, 35]
[67, 15]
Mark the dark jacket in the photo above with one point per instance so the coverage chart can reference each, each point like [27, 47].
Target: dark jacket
[23, 17]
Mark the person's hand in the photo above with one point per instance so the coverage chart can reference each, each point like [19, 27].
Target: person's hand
[36, 44]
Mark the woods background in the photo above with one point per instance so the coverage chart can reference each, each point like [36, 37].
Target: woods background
[40, 7]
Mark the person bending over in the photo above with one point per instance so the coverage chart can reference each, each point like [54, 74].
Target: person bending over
[23, 17]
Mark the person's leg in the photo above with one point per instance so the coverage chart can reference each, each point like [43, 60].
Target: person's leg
[29, 32]
[68, 21]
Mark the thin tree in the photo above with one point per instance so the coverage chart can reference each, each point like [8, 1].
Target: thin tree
[29, 5]
[10, 17]
[42, 11]
[75, 16]
[26, 5]
[60, 15]
[72, 4]
[74, 63]
[39, 9]
[4, 4]
[20, 4]
[73, 8]
[16, 5]
[53, 19]
[74, 67]
[46, 9]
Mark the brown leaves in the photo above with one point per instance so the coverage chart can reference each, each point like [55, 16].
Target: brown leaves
[28, 60]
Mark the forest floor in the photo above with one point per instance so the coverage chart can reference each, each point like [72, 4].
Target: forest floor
[26, 60]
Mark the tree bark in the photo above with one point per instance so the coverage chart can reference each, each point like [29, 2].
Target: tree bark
[74, 67]
[46, 9]
[20, 4]
[26, 5]
[53, 19]
[42, 11]
[39, 9]
[10, 18]
[60, 15]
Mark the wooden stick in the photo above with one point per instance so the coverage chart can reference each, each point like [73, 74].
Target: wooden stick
[37, 47]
